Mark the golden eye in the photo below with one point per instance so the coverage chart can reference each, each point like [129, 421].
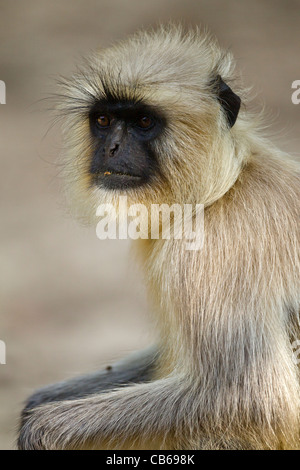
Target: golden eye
[103, 121]
[145, 122]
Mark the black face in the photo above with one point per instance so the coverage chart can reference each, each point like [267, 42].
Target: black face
[122, 136]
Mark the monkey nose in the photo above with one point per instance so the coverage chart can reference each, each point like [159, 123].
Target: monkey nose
[114, 149]
[114, 141]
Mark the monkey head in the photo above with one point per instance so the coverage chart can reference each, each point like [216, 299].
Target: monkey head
[152, 118]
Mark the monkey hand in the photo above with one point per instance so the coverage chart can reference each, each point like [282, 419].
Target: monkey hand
[54, 426]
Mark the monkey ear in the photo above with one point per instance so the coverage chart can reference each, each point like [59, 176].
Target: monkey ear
[230, 102]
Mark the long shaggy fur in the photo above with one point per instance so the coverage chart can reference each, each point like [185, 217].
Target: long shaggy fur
[224, 376]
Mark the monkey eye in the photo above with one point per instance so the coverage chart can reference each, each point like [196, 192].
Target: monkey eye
[145, 122]
[103, 121]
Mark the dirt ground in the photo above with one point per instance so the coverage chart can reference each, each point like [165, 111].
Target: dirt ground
[70, 303]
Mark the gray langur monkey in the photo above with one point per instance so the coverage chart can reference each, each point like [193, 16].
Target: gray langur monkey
[155, 118]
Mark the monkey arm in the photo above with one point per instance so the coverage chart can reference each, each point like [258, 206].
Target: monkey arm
[139, 416]
[137, 367]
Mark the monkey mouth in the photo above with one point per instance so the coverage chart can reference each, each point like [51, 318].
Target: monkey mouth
[118, 173]
[117, 180]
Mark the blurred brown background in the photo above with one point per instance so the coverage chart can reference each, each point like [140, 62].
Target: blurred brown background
[69, 302]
